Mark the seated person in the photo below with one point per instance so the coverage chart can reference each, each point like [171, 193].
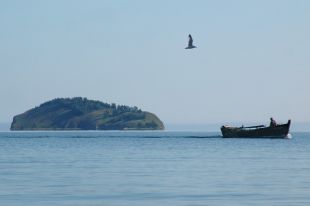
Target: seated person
[272, 122]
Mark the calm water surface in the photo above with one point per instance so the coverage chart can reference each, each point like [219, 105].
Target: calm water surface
[152, 168]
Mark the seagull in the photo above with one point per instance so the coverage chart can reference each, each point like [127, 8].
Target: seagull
[190, 43]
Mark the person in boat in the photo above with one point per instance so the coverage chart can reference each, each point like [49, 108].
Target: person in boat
[272, 122]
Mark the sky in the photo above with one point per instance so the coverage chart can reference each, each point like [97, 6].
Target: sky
[252, 59]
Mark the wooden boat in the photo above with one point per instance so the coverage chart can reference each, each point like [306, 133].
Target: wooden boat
[260, 131]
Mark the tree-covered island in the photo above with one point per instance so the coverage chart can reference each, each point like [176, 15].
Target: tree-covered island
[82, 114]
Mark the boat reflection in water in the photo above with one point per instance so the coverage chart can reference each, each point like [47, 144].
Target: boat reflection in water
[260, 131]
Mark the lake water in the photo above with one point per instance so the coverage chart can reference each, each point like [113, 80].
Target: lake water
[152, 168]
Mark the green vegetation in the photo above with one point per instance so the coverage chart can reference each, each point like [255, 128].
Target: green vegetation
[83, 114]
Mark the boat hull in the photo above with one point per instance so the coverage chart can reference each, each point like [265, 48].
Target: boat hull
[278, 131]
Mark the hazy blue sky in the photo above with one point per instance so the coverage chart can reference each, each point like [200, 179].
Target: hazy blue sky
[252, 60]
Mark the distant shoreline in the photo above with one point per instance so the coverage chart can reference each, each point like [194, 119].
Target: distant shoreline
[296, 127]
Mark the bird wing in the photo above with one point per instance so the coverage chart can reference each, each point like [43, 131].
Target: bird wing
[190, 41]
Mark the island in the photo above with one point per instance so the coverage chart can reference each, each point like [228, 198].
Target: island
[82, 114]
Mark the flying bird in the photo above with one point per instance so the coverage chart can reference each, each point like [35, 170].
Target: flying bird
[190, 43]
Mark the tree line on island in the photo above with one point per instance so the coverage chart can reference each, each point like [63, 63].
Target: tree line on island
[82, 114]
